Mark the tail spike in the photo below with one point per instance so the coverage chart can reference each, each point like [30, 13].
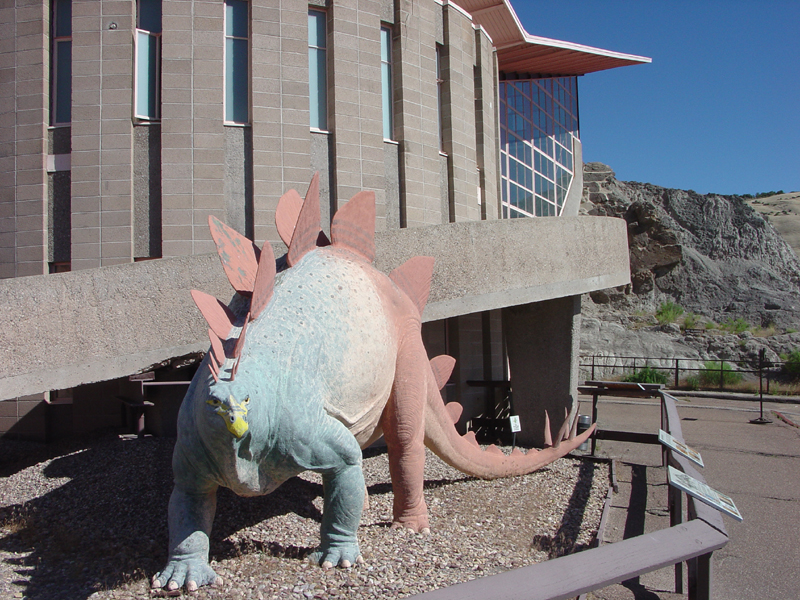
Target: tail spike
[239, 255]
[470, 438]
[265, 281]
[414, 278]
[494, 450]
[442, 367]
[548, 437]
[353, 225]
[574, 431]
[454, 409]
[306, 231]
[516, 452]
[218, 316]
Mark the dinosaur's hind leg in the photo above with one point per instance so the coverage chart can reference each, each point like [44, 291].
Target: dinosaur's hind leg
[403, 424]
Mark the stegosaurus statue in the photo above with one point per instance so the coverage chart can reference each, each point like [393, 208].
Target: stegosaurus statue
[327, 358]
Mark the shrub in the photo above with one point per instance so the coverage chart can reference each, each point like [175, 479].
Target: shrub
[668, 312]
[791, 330]
[792, 364]
[690, 321]
[737, 325]
[709, 377]
[646, 375]
[692, 382]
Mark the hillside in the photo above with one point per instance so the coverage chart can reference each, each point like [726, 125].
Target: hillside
[714, 255]
[718, 257]
[783, 212]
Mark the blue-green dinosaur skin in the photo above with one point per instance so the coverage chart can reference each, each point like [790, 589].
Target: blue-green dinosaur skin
[325, 345]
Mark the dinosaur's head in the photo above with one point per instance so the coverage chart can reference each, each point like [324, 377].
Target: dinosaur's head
[232, 412]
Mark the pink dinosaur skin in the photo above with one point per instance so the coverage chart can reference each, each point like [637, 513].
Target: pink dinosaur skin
[414, 415]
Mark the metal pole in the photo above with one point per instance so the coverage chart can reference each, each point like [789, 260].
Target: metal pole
[721, 376]
[761, 420]
[677, 380]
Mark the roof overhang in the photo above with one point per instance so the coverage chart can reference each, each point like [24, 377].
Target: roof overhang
[520, 52]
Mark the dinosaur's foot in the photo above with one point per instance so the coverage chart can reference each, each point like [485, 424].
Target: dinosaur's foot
[417, 523]
[344, 555]
[192, 573]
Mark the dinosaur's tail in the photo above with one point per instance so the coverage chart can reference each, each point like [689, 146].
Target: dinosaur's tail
[464, 453]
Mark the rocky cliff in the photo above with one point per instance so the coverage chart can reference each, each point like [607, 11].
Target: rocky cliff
[713, 255]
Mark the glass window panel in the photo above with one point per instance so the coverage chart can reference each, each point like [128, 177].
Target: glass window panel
[63, 83]
[236, 18]
[316, 29]
[386, 82]
[148, 15]
[236, 69]
[528, 178]
[146, 75]
[63, 14]
[317, 88]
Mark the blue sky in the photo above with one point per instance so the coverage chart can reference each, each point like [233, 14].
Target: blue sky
[718, 109]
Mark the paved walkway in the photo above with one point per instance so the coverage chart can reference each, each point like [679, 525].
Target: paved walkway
[757, 465]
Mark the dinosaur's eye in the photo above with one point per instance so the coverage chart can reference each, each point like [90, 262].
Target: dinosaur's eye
[213, 402]
[247, 400]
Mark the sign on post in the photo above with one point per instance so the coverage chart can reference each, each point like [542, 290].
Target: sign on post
[514, 421]
[679, 447]
[703, 492]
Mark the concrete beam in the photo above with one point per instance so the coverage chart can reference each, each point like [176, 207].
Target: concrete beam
[59, 331]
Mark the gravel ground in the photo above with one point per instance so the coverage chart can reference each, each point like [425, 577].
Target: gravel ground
[89, 520]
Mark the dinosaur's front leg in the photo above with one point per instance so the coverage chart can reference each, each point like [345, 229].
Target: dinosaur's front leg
[338, 459]
[403, 423]
[190, 518]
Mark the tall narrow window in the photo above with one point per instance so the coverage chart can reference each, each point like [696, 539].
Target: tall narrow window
[147, 70]
[439, 96]
[237, 67]
[61, 80]
[317, 71]
[386, 82]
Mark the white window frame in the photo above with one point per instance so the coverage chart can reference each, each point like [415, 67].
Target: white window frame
[137, 75]
[387, 89]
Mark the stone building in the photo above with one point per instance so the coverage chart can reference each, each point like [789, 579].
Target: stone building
[124, 124]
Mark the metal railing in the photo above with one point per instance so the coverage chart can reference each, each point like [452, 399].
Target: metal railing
[564, 578]
[679, 371]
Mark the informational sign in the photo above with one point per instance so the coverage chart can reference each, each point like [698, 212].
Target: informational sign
[703, 492]
[515, 427]
[679, 447]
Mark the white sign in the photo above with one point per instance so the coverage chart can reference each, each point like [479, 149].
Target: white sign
[679, 447]
[703, 492]
[515, 427]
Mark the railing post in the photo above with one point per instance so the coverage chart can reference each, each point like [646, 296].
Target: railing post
[677, 379]
[675, 518]
[593, 356]
[721, 375]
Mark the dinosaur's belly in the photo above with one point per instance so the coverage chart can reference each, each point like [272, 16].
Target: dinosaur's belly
[330, 335]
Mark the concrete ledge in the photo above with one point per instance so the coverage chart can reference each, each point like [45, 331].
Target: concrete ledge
[59, 331]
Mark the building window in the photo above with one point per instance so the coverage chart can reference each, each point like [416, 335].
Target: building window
[61, 60]
[317, 71]
[440, 96]
[237, 62]
[538, 121]
[147, 68]
[386, 82]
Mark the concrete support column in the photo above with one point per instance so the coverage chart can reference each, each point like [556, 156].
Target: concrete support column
[542, 340]
[459, 114]
[192, 131]
[416, 113]
[23, 125]
[355, 93]
[281, 136]
[102, 139]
